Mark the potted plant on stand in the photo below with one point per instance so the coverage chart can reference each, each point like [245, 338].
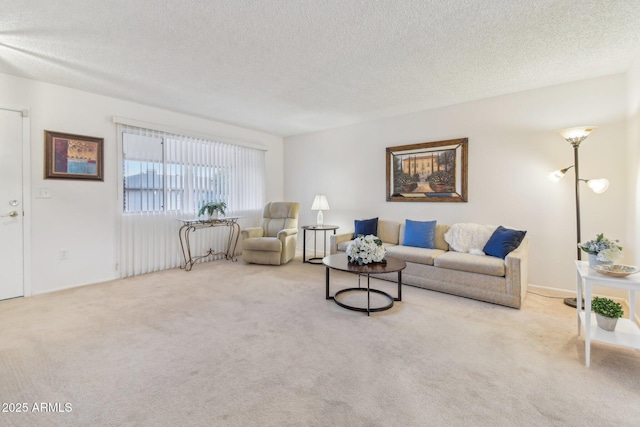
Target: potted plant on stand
[607, 312]
[602, 251]
[212, 209]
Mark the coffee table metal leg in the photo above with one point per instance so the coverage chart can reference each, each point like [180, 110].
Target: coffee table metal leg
[368, 297]
[304, 246]
[399, 287]
[327, 280]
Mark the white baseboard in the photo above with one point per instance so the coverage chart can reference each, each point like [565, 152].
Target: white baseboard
[556, 291]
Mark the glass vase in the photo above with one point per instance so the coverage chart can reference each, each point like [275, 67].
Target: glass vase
[593, 260]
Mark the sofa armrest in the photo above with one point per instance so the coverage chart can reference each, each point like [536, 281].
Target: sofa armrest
[517, 270]
[287, 232]
[334, 239]
[252, 232]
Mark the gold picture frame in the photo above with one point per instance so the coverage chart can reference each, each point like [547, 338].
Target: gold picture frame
[69, 156]
[428, 172]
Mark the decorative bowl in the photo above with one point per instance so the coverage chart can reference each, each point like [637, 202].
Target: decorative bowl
[616, 270]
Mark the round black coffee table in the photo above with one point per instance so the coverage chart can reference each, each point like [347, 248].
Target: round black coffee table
[341, 262]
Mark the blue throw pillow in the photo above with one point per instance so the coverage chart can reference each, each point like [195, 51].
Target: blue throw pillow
[366, 227]
[503, 241]
[419, 233]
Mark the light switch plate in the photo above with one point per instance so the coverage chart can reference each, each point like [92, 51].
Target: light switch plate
[43, 193]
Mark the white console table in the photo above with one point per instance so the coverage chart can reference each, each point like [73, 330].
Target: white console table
[627, 333]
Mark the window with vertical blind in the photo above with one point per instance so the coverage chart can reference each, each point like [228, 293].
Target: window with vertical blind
[166, 177]
[163, 172]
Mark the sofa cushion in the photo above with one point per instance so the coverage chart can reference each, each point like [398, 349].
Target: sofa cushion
[468, 237]
[269, 244]
[438, 237]
[503, 241]
[471, 263]
[413, 254]
[388, 231]
[419, 233]
[366, 227]
[342, 246]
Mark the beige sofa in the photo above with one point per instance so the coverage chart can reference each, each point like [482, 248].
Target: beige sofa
[481, 277]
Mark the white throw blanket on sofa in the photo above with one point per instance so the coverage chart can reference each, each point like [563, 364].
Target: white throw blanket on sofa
[468, 237]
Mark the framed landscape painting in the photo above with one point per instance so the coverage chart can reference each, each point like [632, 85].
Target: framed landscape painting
[73, 156]
[428, 172]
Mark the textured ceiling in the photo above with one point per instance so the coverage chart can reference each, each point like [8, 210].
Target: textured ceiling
[291, 66]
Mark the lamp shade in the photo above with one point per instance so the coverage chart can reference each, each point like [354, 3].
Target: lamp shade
[576, 135]
[556, 176]
[320, 203]
[598, 185]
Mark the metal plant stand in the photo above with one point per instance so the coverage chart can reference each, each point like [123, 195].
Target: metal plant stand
[191, 225]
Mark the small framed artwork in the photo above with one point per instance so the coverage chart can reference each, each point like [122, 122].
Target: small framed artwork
[428, 172]
[71, 156]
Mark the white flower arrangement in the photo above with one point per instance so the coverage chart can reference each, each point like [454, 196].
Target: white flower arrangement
[605, 249]
[366, 249]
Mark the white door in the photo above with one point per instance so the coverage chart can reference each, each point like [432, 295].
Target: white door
[11, 212]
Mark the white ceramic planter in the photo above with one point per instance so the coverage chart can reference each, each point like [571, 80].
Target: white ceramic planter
[606, 323]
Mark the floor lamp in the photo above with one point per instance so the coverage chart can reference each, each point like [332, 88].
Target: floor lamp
[575, 136]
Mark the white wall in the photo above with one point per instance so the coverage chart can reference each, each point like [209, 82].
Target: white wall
[81, 216]
[513, 145]
[633, 164]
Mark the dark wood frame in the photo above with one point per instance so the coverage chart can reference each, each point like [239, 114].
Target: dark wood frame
[455, 191]
[51, 156]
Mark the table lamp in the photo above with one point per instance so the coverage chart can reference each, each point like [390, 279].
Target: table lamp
[320, 204]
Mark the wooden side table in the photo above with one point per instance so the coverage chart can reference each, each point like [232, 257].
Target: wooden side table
[315, 228]
[627, 333]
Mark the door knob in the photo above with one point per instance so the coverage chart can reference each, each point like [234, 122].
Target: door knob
[11, 214]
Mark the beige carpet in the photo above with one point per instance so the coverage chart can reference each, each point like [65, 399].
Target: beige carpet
[231, 344]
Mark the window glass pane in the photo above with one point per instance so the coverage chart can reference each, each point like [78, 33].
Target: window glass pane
[143, 173]
[175, 187]
[210, 184]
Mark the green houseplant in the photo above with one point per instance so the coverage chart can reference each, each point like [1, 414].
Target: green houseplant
[607, 312]
[212, 209]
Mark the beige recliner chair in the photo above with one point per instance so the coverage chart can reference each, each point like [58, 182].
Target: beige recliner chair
[274, 242]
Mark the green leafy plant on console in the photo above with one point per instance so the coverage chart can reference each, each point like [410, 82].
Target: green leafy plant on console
[210, 207]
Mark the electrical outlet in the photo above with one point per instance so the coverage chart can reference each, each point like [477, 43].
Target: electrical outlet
[64, 254]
